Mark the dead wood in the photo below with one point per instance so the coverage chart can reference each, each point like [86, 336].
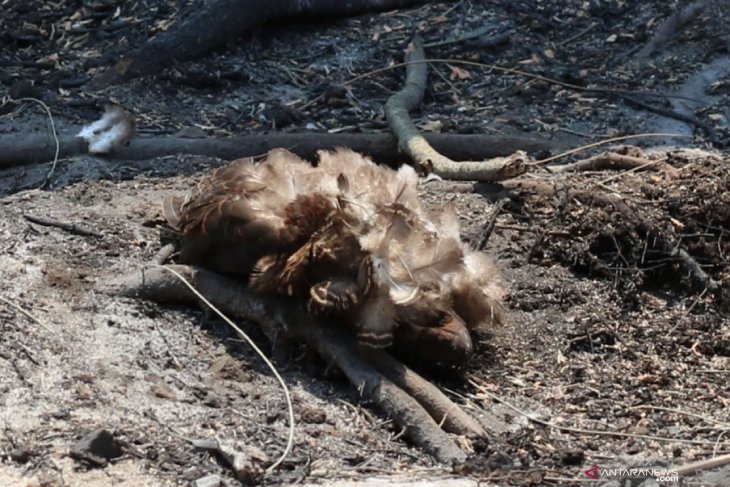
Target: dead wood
[278, 317]
[614, 160]
[22, 149]
[417, 147]
[164, 254]
[683, 116]
[69, 227]
[440, 407]
[669, 28]
[693, 268]
[700, 465]
[480, 242]
[217, 22]
[537, 186]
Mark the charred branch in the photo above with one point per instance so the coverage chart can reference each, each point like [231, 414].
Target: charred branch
[410, 140]
[409, 399]
[18, 150]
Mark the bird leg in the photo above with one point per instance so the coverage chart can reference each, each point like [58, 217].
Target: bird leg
[410, 400]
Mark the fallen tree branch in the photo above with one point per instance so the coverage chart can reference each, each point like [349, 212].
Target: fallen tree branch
[414, 144]
[695, 271]
[219, 21]
[440, 407]
[480, 242]
[685, 116]
[277, 316]
[474, 38]
[22, 149]
[614, 160]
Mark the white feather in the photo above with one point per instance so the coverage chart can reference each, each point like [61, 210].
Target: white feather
[112, 130]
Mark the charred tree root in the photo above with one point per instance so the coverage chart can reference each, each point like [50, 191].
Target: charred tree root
[669, 27]
[414, 144]
[450, 416]
[410, 400]
[219, 21]
[29, 149]
[684, 116]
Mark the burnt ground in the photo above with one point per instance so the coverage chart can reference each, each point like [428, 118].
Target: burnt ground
[609, 330]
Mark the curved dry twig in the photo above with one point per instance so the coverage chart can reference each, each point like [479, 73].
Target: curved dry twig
[397, 110]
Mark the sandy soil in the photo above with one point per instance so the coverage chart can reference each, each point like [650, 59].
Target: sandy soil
[608, 331]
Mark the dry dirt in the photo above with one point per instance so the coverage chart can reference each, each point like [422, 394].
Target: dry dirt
[608, 330]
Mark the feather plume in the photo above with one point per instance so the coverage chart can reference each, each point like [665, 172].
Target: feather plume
[477, 292]
[114, 129]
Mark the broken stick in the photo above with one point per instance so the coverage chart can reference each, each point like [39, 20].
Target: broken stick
[69, 227]
[414, 144]
[614, 160]
[669, 27]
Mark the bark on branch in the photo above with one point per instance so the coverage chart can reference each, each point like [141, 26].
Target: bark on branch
[409, 399]
[614, 160]
[397, 110]
[22, 149]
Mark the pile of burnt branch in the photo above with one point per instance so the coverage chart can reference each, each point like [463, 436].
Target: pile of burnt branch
[658, 230]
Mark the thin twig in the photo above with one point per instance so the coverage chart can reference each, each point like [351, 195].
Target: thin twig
[259, 352]
[477, 38]
[53, 132]
[685, 413]
[26, 314]
[669, 113]
[612, 160]
[69, 227]
[583, 431]
[481, 241]
[602, 142]
[614, 91]
[633, 169]
[710, 463]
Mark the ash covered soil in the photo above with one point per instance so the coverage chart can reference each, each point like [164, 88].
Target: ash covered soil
[609, 329]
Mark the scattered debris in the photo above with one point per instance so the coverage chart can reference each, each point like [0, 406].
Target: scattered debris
[97, 448]
[211, 480]
[69, 227]
[21, 455]
[248, 462]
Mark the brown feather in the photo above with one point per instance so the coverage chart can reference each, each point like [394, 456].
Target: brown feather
[348, 236]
